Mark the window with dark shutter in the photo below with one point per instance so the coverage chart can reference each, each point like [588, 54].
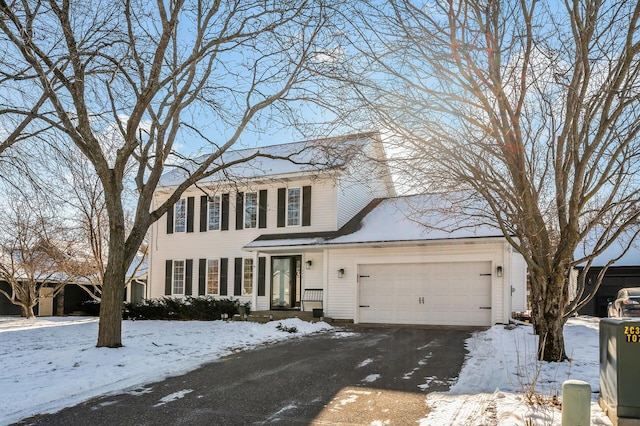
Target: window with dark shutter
[282, 205]
[262, 263]
[237, 277]
[168, 277]
[204, 202]
[239, 210]
[170, 220]
[190, 208]
[225, 212]
[202, 276]
[306, 206]
[224, 267]
[262, 209]
[188, 277]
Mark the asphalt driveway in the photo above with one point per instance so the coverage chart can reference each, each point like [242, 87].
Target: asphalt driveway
[353, 375]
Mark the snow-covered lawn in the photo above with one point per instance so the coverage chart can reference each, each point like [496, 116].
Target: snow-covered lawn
[52, 363]
[500, 367]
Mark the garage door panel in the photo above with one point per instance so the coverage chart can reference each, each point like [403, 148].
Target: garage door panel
[426, 293]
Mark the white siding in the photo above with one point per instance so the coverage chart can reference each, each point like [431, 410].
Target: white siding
[518, 281]
[342, 292]
[228, 244]
[364, 181]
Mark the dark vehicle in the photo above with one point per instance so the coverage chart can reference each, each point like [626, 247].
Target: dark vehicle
[626, 303]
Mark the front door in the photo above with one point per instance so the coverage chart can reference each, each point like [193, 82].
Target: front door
[285, 282]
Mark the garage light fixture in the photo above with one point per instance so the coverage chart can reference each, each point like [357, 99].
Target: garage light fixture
[340, 272]
[308, 263]
[499, 271]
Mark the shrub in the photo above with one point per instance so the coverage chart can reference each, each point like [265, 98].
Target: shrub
[189, 308]
[90, 307]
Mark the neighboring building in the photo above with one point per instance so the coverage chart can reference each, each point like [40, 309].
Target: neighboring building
[280, 231]
[72, 299]
[625, 272]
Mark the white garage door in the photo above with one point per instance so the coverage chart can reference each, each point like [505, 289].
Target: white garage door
[425, 293]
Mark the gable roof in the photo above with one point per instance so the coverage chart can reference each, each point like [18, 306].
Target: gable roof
[390, 220]
[310, 156]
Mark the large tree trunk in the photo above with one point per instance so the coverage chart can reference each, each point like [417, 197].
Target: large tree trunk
[27, 311]
[110, 327]
[549, 302]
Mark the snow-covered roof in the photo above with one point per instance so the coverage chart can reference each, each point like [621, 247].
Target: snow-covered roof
[426, 217]
[630, 258]
[276, 160]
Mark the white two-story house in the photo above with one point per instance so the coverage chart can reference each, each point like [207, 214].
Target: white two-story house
[327, 219]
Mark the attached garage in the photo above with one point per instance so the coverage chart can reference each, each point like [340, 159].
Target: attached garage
[425, 293]
[386, 267]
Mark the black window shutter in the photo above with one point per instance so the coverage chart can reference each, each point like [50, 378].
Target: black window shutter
[282, 207]
[239, 209]
[190, 207]
[202, 277]
[204, 204]
[168, 270]
[188, 277]
[261, 275]
[170, 220]
[224, 267]
[237, 279]
[262, 209]
[306, 206]
[225, 212]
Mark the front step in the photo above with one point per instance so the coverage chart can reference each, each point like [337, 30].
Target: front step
[266, 316]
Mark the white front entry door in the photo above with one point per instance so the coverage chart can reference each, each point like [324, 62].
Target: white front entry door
[425, 293]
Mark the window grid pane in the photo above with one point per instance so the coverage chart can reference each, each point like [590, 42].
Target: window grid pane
[180, 216]
[178, 277]
[214, 214]
[293, 207]
[251, 210]
[213, 276]
[247, 287]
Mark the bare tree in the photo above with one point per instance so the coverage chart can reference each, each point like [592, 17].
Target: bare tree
[144, 77]
[30, 259]
[532, 108]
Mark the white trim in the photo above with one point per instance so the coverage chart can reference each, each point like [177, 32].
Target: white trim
[206, 279]
[244, 208]
[286, 208]
[254, 295]
[175, 216]
[184, 276]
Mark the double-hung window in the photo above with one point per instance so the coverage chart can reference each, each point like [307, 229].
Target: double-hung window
[251, 210]
[294, 206]
[214, 213]
[247, 277]
[180, 216]
[177, 286]
[213, 276]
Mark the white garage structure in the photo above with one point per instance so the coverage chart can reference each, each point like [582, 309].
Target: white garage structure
[425, 293]
[392, 270]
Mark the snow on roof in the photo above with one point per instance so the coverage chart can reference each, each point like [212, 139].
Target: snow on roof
[630, 258]
[283, 159]
[426, 217]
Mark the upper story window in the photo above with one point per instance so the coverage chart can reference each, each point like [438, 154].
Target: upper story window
[177, 286]
[251, 210]
[294, 206]
[213, 276]
[214, 213]
[180, 216]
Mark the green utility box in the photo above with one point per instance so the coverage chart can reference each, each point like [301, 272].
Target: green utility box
[620, 369]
